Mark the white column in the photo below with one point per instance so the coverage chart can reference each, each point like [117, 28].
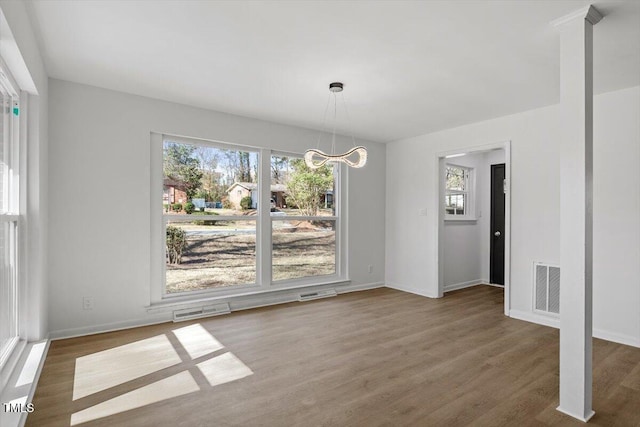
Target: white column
[576, 214]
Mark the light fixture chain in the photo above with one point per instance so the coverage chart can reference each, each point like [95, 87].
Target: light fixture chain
[335, 123]
[324, 121]
[346, 111]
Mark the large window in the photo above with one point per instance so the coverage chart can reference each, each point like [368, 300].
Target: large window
[218, 237]
[9, 216]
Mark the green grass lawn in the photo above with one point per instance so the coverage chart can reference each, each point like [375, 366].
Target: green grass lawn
[229, 259]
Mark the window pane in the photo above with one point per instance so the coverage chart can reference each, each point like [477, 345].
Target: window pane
[303, 249]
[208, 179]
[4, 151]
[209, 254]
[455, 179]
[454, 204]
[9, 203]
[298, 190]
[8, 288]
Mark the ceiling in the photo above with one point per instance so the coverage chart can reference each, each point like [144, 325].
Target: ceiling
[409, 67]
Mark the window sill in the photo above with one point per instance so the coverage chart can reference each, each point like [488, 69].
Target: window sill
[461, 219]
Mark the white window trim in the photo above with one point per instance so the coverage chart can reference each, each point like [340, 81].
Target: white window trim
[263, 219]
[470, 208]
[15, 192]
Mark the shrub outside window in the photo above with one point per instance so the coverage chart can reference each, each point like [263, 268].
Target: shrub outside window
[210, 232]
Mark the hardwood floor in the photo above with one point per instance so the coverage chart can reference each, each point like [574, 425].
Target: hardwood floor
[373, 358]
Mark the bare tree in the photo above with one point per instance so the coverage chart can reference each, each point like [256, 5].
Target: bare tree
[279, 170]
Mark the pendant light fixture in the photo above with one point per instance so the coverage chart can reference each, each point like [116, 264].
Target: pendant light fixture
[355, 157]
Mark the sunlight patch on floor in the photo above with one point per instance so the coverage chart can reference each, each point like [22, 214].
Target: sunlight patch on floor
[223, 369]
[168, 388]
[115, 366]
[197, 340]
[109, 368]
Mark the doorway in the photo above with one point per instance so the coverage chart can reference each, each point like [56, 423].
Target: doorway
[450, 262]
[496, 252]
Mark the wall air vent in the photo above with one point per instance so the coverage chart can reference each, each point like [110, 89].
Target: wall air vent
[198, 312]
[546, 288]
[325, 293]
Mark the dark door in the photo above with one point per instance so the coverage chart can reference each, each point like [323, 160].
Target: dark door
[496, 271]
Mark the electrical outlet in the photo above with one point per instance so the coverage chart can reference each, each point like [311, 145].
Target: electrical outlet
[87, 303]
[370, 269]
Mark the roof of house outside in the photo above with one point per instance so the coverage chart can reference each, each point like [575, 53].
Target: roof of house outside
[168, 182]
[277, 188]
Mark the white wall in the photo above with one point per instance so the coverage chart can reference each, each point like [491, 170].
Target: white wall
[100, 143]
[616, 213]
[535, 206]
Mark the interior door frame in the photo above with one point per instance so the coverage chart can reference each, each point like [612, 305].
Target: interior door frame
[437, 221]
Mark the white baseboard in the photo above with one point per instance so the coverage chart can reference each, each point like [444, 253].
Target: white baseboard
[287, 296]
[362, 287]
[109, 327]
[486, 283]
[462, 285]
[577, 417]
[447, 288]
[540, 319]
[236, 304]
[616, 337]
[555, 323]
[411, 290]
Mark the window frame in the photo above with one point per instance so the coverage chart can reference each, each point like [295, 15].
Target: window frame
[264, 226]
[13, 193]
[469, 192]
[165, 296]
[338, 202]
